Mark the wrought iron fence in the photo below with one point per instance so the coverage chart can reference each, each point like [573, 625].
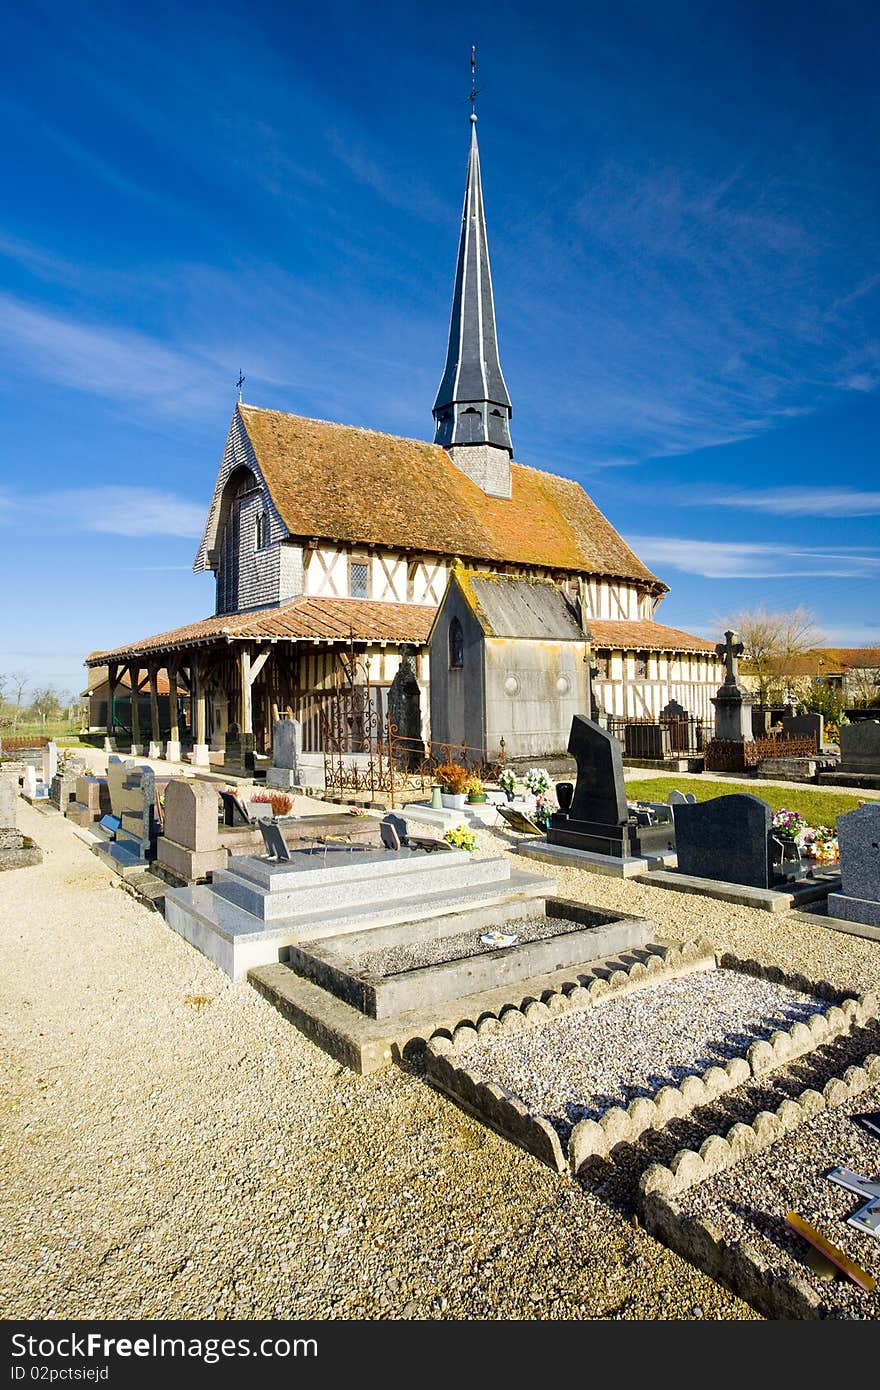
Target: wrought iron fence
[668, 736]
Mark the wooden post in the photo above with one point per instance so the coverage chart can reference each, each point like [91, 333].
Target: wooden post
[134, 672]
[172, 670]
[244, 669]
[200, 722]
[112, 683]
[154, 701]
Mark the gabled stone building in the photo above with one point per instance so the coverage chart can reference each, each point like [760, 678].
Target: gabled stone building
[332, 545]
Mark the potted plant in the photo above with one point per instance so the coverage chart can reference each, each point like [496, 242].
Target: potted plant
[476, 792]
[453, 779]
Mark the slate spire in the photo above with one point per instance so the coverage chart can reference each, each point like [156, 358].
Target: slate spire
[472, 405]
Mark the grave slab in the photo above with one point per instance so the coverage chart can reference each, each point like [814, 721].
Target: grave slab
[345, 964]
[594, 863]
[794, 894]
[342, 899]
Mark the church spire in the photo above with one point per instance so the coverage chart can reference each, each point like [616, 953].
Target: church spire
[472, 409]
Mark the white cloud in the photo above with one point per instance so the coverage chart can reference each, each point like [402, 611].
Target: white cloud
[753, 560]
[792, 501]
[117, 511]
[118, 363]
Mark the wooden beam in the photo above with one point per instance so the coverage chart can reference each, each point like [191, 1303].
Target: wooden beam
[172, 670]
[197, 686]
[134, 677]
[259, 662]
[153, 676]
[244, 666]
[112, 682]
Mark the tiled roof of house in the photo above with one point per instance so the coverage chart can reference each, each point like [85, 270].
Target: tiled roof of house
[639, 635]
[343, 483]
[316, 619]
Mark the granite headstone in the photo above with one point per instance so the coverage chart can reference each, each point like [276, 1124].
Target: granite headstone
[858, 835]
[727, 839]
[860, 747]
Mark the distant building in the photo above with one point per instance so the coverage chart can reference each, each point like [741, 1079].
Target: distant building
[332, 548]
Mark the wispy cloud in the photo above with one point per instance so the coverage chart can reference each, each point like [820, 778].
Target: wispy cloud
[118, 363]
[113, 510]
[754, 560]
[394, 185]
[789, 501]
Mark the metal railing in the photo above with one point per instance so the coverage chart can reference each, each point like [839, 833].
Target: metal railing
[668, 736]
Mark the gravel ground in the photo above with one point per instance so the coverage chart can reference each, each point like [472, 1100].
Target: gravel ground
[397, 959]
[750, 1202]
[577, 1066]
[172, 1148]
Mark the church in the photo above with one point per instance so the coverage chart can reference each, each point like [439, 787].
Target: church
[335, 551]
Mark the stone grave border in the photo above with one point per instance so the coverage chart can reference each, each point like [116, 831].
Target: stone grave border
[739, 1264]
[504, 1112]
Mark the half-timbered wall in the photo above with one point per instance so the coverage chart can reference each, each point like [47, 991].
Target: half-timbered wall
[690, 678]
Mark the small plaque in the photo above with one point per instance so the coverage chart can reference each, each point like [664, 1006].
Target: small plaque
[273, 840]
[831, 1252]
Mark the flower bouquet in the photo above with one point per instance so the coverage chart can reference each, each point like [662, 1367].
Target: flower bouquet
[820, 844]
[507, 782]
[461, 838]
[788, 825]
[545, 807]
[537, 779]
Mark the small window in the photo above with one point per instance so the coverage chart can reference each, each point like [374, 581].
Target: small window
[260, 531]
[358, 578]
[603, 666]
[456, 645]
[641, 666]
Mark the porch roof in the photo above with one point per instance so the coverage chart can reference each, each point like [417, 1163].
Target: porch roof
[630, 634]
[302, 620]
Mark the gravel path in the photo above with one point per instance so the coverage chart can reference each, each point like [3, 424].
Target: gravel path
[172, 1148]
[750, 1201]
[579, 1065]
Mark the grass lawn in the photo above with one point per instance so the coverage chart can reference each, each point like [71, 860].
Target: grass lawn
[816, 806]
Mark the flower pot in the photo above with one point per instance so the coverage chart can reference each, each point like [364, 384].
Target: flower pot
[454, 801]
[475, 800]
[436, 797]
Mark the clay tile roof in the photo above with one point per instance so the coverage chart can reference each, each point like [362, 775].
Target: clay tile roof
[322, 619]
[339, 482]
[633, 635]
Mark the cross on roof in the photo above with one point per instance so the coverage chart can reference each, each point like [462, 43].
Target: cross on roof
[730, 650]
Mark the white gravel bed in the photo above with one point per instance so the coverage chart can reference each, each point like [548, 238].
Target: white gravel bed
[577, 1066]
[750, 1201]
[395, 960]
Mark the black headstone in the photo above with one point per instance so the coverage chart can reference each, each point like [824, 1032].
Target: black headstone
[599, 794]
[273, 840]
[727, 839]
[234, 811]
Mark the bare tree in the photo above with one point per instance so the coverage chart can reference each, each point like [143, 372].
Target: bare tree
[18, 684]
[46, 704]
[773, 642]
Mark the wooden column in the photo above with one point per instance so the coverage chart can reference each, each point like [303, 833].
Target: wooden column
[154, 701]
[200, 722]
[246, 714]
[172, 670]
[134, 672]
[112, 683]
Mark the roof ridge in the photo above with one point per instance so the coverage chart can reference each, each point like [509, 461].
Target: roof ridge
[341, 425]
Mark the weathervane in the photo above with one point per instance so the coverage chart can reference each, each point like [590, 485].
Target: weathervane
[241, 381]
[474, 89]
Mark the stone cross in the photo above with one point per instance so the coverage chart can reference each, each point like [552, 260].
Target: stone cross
[731, 651]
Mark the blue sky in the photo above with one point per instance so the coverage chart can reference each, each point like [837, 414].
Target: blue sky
[684, 219]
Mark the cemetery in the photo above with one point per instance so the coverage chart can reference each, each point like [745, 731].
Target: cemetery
[429, 931]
